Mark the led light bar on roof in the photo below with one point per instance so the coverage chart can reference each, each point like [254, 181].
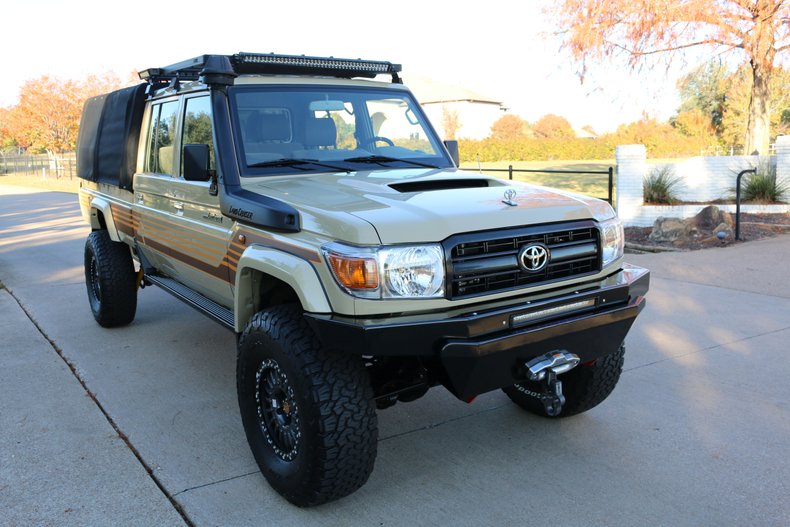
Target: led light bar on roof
[320, 62]
[296, 64]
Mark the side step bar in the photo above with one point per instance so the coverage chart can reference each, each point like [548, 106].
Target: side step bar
[206, 306]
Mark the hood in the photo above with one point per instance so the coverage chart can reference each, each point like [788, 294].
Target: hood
[407, 206]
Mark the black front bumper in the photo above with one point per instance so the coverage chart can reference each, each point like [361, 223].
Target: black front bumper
[484, 348]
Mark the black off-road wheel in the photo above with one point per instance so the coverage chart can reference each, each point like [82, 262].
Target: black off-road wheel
[309, 415]
[111, 280]
[584, 387]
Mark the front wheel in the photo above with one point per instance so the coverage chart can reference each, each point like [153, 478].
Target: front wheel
[584, 387]
[309, 415]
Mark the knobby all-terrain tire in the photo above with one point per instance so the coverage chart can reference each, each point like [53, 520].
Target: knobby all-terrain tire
[110, 279]
[584, 387]
[309, 415]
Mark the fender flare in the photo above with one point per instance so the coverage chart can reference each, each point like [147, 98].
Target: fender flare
[102, 205]
[297, 272]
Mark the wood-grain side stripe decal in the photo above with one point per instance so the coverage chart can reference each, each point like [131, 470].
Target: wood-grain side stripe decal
[236, 249]
[123, 218]
[159, 236]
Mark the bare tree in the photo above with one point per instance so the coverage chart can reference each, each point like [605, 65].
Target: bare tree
[451, 123]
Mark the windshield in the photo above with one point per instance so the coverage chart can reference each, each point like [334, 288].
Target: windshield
[294, 130]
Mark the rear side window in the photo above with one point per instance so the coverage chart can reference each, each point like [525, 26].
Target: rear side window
[161, 135]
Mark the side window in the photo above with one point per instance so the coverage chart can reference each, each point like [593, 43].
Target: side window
[160, 138]
[197, 126]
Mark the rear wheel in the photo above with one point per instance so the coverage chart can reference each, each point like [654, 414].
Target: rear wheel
[585, 386]
[110, 279]
[309, 415]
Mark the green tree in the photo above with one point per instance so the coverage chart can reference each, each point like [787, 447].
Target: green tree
[704, 89]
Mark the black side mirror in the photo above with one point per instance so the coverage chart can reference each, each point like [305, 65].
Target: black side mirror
[196, 163]
[452, 148]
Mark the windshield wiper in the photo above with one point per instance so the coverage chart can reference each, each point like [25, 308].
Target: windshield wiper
[385, 159]
[296, 163]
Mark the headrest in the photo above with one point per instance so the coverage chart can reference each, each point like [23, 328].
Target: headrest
[320, 132]
[268, 127]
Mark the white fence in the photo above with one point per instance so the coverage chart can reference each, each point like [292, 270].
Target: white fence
[41, 165]
[703, 179]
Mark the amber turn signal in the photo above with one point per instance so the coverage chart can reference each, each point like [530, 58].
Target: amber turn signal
[355, 273]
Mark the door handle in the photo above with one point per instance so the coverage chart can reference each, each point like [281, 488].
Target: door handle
[178, 206]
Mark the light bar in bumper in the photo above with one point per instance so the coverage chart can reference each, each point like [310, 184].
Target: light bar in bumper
[480, 349]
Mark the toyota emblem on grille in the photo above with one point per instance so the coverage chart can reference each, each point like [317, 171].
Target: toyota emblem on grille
[533, 258]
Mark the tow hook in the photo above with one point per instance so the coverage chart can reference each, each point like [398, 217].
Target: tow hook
[544, 369]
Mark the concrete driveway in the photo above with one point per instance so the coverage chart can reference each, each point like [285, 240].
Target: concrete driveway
[139, 425]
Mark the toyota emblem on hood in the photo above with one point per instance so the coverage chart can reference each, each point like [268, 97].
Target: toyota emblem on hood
[510, 195]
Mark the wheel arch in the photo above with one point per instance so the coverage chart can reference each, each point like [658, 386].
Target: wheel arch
[267, 277]
[100, 217]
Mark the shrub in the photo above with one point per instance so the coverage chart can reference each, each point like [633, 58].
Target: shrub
[660, 186]
[762, 186]
[532, 149]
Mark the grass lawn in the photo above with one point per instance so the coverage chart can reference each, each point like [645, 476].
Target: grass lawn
[63, 184]
[595, 185]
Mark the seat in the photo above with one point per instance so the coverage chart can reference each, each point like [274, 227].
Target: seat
[269, 133]
[165, 165]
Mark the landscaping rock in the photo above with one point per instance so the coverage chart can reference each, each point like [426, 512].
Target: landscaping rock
[671, 229]
[754, 226]
[710, 217]
[707, 223]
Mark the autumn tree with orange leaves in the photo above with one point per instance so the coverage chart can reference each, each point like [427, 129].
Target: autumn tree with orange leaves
[47, 116]
[6, 140]
[637, 30]
[552, 126]
[509, 126]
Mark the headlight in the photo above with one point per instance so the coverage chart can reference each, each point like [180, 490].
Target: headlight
[612, 240]
[412, 271]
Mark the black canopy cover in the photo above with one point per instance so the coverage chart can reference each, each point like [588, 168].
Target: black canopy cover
[109, 135]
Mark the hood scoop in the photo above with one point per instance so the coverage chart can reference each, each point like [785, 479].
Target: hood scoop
[441, 184]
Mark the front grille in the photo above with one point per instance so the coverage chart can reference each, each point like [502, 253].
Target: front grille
[487, 262]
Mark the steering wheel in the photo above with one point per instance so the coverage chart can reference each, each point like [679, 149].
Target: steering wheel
[373, 140]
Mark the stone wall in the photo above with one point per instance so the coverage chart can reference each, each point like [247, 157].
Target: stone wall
[703, 179]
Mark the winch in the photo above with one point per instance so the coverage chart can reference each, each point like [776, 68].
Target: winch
[544, 369]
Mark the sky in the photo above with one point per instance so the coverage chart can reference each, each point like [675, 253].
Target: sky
[502, 49]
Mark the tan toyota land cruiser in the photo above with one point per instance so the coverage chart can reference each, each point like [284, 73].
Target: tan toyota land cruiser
[313, 211]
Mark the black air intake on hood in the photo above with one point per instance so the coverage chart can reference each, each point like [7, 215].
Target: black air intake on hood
[439, 184]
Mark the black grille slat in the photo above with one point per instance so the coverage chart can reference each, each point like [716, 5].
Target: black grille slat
[483, 263]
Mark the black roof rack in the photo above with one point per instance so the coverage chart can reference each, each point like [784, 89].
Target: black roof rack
[222, 69]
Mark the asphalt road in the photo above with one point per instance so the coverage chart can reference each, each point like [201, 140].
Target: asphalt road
[139, 425]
